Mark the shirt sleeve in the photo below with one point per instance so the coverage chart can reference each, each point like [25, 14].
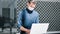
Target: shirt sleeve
[37, 19]
[19, 19]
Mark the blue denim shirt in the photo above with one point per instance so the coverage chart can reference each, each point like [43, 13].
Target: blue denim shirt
[28, 18]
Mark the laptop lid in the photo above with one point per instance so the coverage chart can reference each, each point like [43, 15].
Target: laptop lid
[38, 28]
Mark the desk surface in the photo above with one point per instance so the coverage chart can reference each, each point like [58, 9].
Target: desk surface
[49, 32]
[53, 32]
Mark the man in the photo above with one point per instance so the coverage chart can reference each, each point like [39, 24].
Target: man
[26, 17]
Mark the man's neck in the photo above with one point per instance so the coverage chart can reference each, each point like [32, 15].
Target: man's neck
[29, 11]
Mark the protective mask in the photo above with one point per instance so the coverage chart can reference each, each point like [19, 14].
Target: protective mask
[30, 8]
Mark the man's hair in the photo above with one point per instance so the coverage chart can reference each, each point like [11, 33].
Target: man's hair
[29, 1]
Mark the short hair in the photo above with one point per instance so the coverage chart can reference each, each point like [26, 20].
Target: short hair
[29, 1]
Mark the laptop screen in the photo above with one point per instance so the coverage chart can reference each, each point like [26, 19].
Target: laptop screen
[39, 28]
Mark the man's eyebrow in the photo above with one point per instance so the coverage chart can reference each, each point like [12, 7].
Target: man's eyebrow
[34, 2]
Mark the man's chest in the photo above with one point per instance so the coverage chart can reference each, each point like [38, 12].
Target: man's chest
[30, 17]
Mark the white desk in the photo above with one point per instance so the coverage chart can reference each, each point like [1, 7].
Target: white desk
[50, 32]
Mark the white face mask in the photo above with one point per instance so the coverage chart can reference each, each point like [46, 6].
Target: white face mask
[30, 8]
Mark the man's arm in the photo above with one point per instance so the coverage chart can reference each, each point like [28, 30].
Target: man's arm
[19, 21]
[37, 19]
[24, 29]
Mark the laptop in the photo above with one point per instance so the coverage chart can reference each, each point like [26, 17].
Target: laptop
[39, 28]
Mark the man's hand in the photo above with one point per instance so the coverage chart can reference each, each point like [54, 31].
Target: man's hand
[28, 31]
[25, 30]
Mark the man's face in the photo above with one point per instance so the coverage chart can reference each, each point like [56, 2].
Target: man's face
[32, 4]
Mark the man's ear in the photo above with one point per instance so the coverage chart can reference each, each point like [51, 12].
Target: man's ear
[27, 4]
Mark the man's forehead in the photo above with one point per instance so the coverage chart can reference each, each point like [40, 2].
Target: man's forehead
[34, 1]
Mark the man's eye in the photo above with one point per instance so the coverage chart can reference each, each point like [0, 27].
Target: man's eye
[34, 3]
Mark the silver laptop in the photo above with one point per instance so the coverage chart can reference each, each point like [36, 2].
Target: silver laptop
[39, 28]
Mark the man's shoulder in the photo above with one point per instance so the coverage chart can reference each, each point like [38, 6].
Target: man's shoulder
[21, 11]
[36, 12]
